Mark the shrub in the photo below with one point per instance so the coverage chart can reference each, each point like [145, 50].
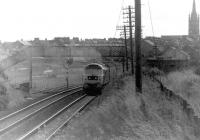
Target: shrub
[3, 102]
[197, 71]
[2, 90]
[24, 86]
[152, 71]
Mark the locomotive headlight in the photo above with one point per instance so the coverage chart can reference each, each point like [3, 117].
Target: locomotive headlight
[85, 86]
[98, 85]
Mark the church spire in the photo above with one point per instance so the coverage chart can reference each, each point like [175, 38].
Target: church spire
[194, 7]
[194, 21]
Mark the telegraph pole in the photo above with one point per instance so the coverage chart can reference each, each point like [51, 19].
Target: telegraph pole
[123, 63]
[131, 38]
[31, 71]
[126, 49]
[129, 24]
[138, 73]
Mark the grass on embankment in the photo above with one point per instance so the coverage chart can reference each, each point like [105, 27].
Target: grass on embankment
[10, 97]
[120, 116]
[187, 85]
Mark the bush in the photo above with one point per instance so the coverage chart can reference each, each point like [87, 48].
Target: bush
[24, 87]
[152, 71]
[3, 90]
[3, 102]
[197, 71]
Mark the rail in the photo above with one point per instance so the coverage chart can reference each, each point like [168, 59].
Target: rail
[13, 125]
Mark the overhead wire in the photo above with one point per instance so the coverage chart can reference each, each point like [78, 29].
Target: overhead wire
[150, 15]
[152, 28]
[120, 13]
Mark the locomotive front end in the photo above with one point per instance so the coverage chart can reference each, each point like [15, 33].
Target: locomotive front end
[93, 79]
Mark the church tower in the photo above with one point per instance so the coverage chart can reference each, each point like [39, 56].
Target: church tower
[194, 22]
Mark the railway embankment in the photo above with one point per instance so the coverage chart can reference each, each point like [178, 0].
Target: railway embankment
[184, 87]
[165, 115]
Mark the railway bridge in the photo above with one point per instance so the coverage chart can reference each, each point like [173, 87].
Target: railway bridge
[113, 51]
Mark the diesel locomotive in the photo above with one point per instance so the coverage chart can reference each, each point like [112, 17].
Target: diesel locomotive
[96, 76]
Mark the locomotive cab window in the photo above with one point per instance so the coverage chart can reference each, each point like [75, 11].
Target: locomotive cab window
[93, 70]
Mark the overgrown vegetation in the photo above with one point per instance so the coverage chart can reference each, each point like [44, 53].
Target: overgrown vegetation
[151, 72]
[187, 85]
[3, 91]
[120, 116]
[197, 71]
[3, 102]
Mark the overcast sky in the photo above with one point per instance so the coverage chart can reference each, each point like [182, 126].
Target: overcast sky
[28, 19]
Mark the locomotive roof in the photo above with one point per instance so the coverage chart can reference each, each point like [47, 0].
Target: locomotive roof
[102, 66]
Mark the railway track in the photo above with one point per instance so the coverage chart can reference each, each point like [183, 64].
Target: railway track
[57, 89]
[23, 123]
[54, 92]
[46, 93]
[53, 127]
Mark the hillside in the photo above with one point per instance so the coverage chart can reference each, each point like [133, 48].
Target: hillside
[120, 116]
[185, 84]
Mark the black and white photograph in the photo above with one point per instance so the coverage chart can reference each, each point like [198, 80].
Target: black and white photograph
[99, 70]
